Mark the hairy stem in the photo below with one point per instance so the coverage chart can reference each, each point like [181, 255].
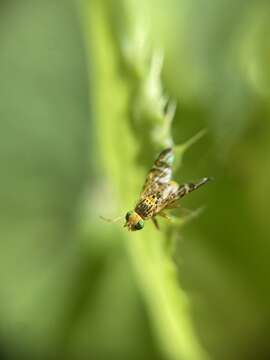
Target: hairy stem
[132, 121]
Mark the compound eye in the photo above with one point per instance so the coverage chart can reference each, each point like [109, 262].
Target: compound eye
[139, 225]
[128, 215]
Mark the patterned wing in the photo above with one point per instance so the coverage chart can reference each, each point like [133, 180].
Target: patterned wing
[159, 191]
[165, 197]
[160, 173]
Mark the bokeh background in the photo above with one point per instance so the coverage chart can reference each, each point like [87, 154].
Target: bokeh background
[67, 288]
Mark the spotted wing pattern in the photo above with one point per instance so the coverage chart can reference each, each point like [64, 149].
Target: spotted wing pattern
[160, 173]
[158, 188]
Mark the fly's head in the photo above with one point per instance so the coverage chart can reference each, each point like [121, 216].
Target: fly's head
[134, 221]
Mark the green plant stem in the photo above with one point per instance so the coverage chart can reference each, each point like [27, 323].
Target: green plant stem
[112, 94]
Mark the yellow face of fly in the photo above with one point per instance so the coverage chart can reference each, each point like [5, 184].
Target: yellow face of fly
[133, 221]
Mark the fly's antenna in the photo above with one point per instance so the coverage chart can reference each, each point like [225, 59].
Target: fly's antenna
[112, 220]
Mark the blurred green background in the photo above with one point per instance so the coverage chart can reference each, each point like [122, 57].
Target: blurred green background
[67, 288]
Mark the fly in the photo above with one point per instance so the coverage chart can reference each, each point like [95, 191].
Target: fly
[159, 194]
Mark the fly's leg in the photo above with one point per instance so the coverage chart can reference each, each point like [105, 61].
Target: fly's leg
[165, 216]
[183, 219]
[173, 206]
[170, 219]
[178, 206]
[155, 223]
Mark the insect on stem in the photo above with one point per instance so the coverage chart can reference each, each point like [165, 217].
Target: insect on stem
[160, 192]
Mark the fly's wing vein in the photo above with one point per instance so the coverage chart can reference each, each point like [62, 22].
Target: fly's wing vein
[167, 195]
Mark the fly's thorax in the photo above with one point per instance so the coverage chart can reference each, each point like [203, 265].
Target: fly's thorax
[134, 221]
[146, 207]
